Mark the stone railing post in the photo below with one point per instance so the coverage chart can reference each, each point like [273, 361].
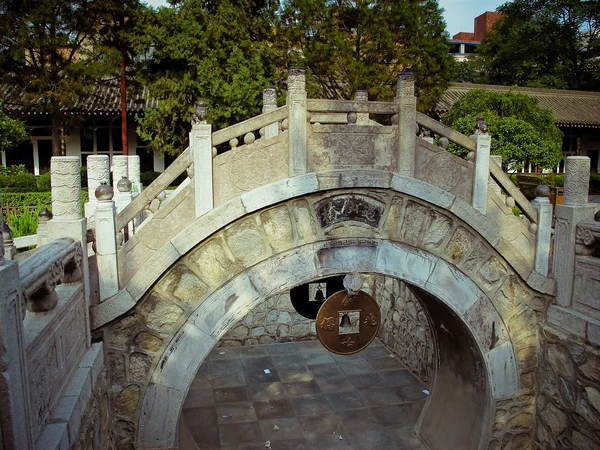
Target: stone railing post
[134, 172]
[124, 198]
[542, 204]
[495, 159]
[202, 157]
[362, 96]
[65, 181]
[10, 250]
[573, 210]
[297, 117]
[106, 242]
[481, 172]
[270, 104]
[120, 169]
[407, 123]
[98, 172]
[42, 230]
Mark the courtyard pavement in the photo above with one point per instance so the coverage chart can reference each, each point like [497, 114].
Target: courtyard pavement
[300, 396]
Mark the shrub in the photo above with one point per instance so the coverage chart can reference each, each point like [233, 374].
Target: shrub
[148, 177]
[43, 182]
[25, 223]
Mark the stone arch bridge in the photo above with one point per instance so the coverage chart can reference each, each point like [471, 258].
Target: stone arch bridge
[306, 191]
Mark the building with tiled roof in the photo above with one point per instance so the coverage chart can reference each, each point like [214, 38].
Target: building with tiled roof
[577, 114]
[464, 43]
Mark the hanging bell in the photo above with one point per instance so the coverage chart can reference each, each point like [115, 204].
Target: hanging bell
[319, 296]
[345, 322]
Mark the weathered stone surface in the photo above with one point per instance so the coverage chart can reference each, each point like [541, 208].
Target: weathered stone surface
[184, 285]
[159, 314]
[139, 366]
[126, 401]
[213, 262]
[560, 358]
[415, 219]
[246, 243]
[148, 341]
[554, 418]
[590, 369]
[278, 228]
[522, 420]
[118, 335]
[582, 442]
[459, 244]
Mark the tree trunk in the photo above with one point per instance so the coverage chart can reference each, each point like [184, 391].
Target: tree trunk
[124, 142]
[56, 132]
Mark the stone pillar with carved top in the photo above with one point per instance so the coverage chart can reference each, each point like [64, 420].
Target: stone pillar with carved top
[574, 210]
[270, 104]
[542, 204]
[362, 96]
[15, 423]
[133, 173]
[202, 157]
[481, 172]
[106, 243]
[98, 172]
[120, 169]
[65, 181]
[407, 123]
[297, 120]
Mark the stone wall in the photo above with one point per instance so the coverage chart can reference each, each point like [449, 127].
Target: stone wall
[274, 320]
[568, 405]
[406, 327]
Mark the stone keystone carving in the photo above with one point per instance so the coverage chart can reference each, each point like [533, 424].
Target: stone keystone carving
[349, 207]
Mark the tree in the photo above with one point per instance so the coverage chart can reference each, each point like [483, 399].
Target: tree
[11, 132]
[50, 49]
[545, 43]
[365, 44]
[521, 130]
[215, 51]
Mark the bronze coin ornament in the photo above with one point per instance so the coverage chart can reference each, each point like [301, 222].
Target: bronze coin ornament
[348, 321]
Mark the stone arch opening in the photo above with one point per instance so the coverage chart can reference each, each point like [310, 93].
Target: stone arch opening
[467, 313]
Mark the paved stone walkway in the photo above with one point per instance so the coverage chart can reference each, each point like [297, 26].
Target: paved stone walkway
[307, 400]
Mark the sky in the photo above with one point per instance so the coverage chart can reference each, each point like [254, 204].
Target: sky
[459, 14]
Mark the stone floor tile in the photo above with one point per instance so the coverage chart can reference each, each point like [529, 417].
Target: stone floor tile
[341, 401]
[412, 392]
[375, 351]
[267, 391]
[302, 388]
[259, 376]
[202, 423]
[397, 415]
[281, 429]
[197, 398]
[327, 370]
[225, 366]
[236, 413]
[372, 438]
[392, 378]
[228, 380]
[355, 367]
[318, 358]
[385, 363]
[294, 361]
[289, 444]
[274, 409]
[231, 395]
[346, 358]
[332, 442]
[252, 446]
[256, 362]
[310, 406]
[202, 381]
[293, 375]
[253, 350]
[329, 385]
[365, 380]
[221, 353]
[405, 437]
[381, 396]
[320, 426]
[281, 349]
[357, 419]
[240, 433]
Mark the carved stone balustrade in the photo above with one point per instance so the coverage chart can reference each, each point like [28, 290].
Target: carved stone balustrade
[587, 237]
[58, 262]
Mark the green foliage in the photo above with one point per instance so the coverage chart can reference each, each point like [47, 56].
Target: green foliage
[348, 46]
[26, 223]
[521, 130]
[22, 199]
[43, 182]
[541, 43]
[216, 51]
[12, 132]
[51, 55]
[17, 179]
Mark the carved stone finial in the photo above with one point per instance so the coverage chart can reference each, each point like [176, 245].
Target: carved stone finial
[44, 215]
[482, 127]
[200, 114]
[361, 95]
[542, 191]
[7, 236]
[124, 185]
[352, 283]
[443, 142]
[577, 179]
[296, 82]
[269, 96]
[104, 193]
[406, 85]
